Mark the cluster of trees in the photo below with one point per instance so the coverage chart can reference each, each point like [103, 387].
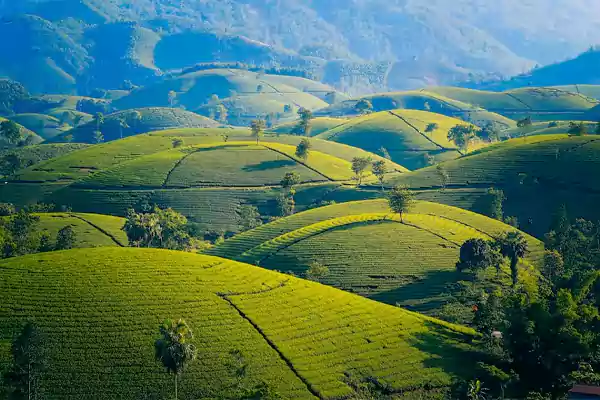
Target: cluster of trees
[160, 228]
[538, 342]
[20, 234]
[360, 167]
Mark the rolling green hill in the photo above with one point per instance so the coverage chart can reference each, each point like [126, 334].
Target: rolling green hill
[548, 128]
[26, 134]
[369, 251]
[31, 155]
[45, 126]
[138, 121]
[245, 94]
[206, 178]
[299, 337]
[537, 173]
[402, 133]
[91, 230]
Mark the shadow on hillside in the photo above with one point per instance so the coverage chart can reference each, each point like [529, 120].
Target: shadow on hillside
[273, 164]
[450, 351]
[423, 294]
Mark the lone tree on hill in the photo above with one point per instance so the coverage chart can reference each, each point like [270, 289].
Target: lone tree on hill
[359, 166]
[258, 127]
[66, 238]
[431, 127]
[513, 246]
[364, 106]
[134, 118]
[444, 176]
[379, 170]
[249, 217]
[122, 124]
[29, 363]
[285, 202]
[462, 135]
[290, 180]
[98, 137]
[489, 133]
[10, 131]
[495, 199]
[99, 120]
[401, 200]
[158, 228]
[303, 149]
[385, 153]
[316, 271]
[222, 112]
[525, 122]
[304, 126]
[173, 349]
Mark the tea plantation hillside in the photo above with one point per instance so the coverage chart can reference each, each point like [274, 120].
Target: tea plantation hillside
[30, 155]
[407, 135]
[537, 173]
[245, 94]
[369, 251]
[547, 128]
[299, 337]
[480, 107]
[46, 126]
[192, 170]
[26, 134]
[132, 122]
[91, 230]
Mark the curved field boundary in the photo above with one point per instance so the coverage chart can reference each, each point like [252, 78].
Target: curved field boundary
[98, 228]
[267, 249]
[344, 127]
[422, 134]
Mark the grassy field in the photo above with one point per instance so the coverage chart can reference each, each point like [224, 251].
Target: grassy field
[31, 155]
[592, 91]
[148, 120]
[299, 337]
[402, 133]
[45, 126]
[91, 230]
[547, 128]
[318, 125]
[537, 173]
[371, 252]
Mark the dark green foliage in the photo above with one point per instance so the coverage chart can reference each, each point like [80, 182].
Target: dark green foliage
[11, 93]
[160, 228]
[363, 106]
[66, 238]
[577, 129]
[19, 234]
[304, 126]
[401, 200]
[514, 246]
[316, 271]
[28, 365]
[495, 203]
[7, 209]
[303, 149]
[379, 170]
[10, 131]
[432, 127]
[477, 254]
[286, 204]
[173, 349]
[525, 122]
[249, 217]
[11, 163]
[489, 133]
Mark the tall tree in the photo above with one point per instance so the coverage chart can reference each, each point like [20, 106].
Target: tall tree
[304, 126]
[379, 170]
[10, 164]
[359, 166]
[66, 238]
[173, 349]
[122, 124]
[477, 254]
[401, 200]
[249, 217]
[29, 363]
[495, 203]
[10, 131]
[443, 175]
[99, 120]
[462, 135]
[257, 126]
[171, 97]
[303, 149]
[514, 246]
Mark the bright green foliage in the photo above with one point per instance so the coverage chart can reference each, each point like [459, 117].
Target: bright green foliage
[309, 324]
[304, 126]
[379, 169]
[462, 136]
[359, 167]
[161, 229]
[495, 206]
[316, 271]
[249, 217]
[401, 200]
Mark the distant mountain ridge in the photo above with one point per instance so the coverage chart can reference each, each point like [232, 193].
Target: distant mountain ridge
[356, 45]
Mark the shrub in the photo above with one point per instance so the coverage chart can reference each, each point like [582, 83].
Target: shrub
[7, 209]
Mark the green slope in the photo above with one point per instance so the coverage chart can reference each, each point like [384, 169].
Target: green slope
[537, 173]
[402, 133]
[369, 251]
[318, 125]
[46, 126]
[25, 133]
[138, 121]
[299, 337]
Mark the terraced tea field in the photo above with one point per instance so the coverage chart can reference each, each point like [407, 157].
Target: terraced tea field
[318, 125]
[299, 337]
[537, 173]
[369, 251]
[403, 133]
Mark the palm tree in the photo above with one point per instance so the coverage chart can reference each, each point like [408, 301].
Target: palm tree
[173, 349]
[514, 246]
